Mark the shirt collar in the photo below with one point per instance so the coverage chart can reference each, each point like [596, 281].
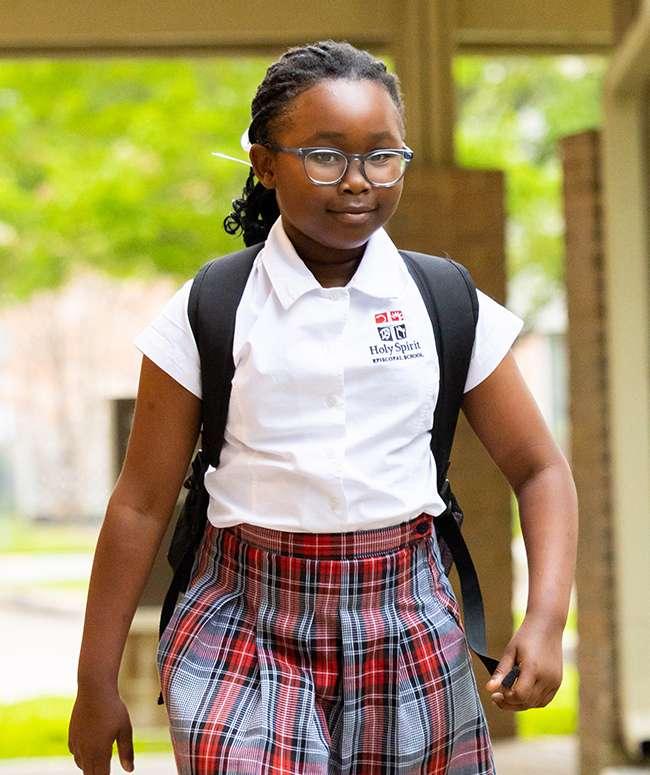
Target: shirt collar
[381, 273]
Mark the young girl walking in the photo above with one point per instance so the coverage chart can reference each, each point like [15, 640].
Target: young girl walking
[319, 633]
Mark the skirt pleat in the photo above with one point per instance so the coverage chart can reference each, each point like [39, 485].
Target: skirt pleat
[321, 654]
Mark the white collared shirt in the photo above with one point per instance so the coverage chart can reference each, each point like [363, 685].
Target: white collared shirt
[332, 400]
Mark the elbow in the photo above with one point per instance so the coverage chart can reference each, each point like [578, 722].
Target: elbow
[550, 462]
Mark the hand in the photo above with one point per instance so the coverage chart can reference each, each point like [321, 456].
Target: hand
[98, 718]
[537, 648]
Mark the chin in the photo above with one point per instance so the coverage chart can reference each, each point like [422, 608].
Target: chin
[347, 238]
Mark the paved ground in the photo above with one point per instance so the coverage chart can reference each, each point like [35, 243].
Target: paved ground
[34, 614]
[547, 756]
[550, 756]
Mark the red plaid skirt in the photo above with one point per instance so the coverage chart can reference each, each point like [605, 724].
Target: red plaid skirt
[321, 654]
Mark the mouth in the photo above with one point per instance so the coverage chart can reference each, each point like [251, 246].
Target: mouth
[353, 215]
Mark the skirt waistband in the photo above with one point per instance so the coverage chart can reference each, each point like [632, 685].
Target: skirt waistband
[335, 546]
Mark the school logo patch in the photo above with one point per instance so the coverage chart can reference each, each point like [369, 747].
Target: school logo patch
[390, 325]
[395, 345]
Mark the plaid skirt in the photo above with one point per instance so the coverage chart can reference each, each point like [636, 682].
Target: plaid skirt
[321, 654]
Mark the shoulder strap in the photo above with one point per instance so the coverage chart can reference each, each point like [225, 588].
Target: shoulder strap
[450, 297]
[214, 297]
[451, 300]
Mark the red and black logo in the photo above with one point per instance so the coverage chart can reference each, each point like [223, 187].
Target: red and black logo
[390, 325]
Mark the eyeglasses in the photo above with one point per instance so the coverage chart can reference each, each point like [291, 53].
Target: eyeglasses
[327, 166]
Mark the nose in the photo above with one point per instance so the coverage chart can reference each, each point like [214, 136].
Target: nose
[353, 180]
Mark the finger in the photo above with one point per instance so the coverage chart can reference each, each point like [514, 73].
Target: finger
[538, 691]
[511, 677]
[527, 698]
[522, 690]
[548, 696]
[499, 701]
[124, 741]
[501, 671]
[100, 765]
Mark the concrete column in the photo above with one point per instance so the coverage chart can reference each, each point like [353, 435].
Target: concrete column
[590, 456]
[423, 46]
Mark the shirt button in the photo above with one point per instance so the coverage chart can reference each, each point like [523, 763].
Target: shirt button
[335, 504]
[332, 399]
[422, 527]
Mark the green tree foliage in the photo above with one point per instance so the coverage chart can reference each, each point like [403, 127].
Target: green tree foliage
[106, 162]
[511, 113]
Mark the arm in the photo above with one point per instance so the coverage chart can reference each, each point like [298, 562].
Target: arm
[163, 437]
[505, 417]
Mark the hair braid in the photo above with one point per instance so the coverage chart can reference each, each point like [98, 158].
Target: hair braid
[299, 68]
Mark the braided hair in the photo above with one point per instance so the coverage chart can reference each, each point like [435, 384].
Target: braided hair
[299, 68]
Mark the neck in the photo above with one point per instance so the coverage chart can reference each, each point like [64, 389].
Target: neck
[330, 266]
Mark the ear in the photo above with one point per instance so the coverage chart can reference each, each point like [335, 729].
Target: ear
[263, 161]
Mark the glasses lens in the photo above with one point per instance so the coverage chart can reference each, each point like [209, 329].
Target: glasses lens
[324, 166]
[385, 167]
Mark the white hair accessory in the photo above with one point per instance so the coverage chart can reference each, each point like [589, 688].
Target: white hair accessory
[244, 141]
[232, 158]
[245, 144]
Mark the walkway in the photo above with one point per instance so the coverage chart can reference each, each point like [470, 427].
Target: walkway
[547, 755]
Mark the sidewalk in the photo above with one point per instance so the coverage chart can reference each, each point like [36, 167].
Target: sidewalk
[543, 756]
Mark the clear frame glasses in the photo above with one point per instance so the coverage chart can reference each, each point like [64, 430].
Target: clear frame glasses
[382, 168]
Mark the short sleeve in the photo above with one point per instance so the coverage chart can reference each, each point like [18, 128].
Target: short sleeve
[169, 342]
[496, 331]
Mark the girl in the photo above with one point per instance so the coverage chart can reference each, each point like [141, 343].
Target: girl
[319, 633]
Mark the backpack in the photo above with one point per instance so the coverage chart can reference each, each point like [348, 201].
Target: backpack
[450, 297]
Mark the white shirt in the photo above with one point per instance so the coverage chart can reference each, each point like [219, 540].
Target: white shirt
[328, 427]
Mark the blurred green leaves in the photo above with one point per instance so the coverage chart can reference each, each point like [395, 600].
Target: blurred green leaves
[106, 162]
[511, 113]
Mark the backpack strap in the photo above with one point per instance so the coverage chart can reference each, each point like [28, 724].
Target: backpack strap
[214, 297]
[450, 297]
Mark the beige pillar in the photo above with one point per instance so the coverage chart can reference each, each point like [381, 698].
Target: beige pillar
[598, 696]
[423, 49]
[626, 194]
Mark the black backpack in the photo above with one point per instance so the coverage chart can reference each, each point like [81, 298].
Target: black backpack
[450, 297]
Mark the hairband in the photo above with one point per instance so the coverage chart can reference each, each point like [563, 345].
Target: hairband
[246, 146]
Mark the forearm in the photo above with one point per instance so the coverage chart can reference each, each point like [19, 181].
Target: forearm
[126, 548]
[548, 512]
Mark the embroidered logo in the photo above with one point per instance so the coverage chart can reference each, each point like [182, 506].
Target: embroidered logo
[391, 329]
[387, 333]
